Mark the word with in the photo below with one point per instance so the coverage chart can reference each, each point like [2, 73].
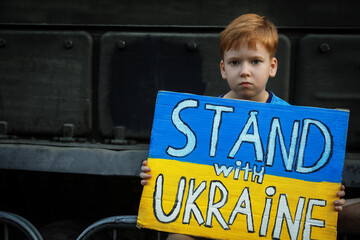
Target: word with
[243, 206]
[226, 171]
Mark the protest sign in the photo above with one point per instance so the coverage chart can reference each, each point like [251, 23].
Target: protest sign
[232, 169]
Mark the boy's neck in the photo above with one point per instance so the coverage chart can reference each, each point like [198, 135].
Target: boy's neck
[261, 98]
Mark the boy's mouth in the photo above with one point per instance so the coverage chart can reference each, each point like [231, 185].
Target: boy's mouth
[245, 84]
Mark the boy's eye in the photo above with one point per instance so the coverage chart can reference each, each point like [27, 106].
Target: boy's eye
[255, 61]
[234, 63]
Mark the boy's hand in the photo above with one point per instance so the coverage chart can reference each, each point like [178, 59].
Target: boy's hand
[340, 203]
[144, 173]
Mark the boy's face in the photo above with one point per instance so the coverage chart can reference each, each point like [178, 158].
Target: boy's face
[247, 72]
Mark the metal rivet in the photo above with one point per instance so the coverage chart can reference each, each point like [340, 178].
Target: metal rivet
[324, 47]
[2, 43]
[121, 44]
[68, 44]
[192, 45]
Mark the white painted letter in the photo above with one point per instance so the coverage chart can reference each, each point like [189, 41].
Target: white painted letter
[184, 128]
[191, 205]
[160, 215]
[270, 191]
[223, 169]
[309, 222]
[213, 208]
[288, 158]
[216, 125]
[243, 206]
[259, 175]
[326, 154]
[253, 138]
[283, 211]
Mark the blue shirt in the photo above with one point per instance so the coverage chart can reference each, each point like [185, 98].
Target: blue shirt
[273, 99]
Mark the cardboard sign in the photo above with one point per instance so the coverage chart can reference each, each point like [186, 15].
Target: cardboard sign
[231, 169]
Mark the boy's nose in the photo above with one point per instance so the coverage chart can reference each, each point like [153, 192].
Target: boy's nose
[245, 71]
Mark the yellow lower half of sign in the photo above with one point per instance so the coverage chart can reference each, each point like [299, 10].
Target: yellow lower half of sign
[191, 199]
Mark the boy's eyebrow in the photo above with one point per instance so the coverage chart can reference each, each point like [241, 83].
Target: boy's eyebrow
[257, 56]
[250, 56]
[230, 58]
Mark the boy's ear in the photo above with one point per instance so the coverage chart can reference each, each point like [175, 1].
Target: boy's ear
[273, 67]
[222, 69]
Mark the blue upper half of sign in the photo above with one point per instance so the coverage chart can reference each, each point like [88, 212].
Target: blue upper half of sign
[289, 141]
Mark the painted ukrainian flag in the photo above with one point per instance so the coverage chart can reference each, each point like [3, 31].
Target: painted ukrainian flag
[230, 169]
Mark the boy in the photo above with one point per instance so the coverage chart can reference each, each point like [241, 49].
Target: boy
[248, 45]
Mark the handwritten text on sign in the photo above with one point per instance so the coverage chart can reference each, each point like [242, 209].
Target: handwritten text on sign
[226, 168]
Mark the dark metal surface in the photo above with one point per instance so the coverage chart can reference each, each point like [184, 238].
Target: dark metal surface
[121, 226]
[328, 70]
[46, 82]
[21, 224]
[127, 222]
[307, 13]
[115, 147]
[351, 171]
[134, 66]
[71, 160]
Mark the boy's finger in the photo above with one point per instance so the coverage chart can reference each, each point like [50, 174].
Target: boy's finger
[341, 194]
[143, 182]
[145, 169]
[338, 208]
[340, 202]
[144, 175]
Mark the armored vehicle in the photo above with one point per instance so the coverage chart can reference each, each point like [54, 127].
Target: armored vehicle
[78, 83]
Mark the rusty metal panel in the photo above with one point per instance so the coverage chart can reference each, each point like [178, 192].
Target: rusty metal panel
[328, 70]
[134, 66]
[45, 82]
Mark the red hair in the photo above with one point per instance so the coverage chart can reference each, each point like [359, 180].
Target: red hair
[250, 29]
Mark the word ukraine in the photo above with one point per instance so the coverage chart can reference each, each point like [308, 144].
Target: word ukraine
[230, 169]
